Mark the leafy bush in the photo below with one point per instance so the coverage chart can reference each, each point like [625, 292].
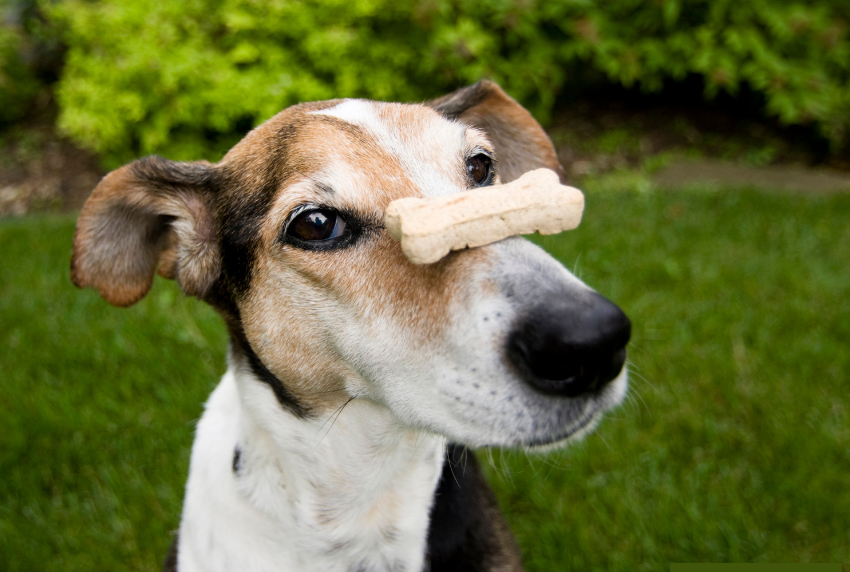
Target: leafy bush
[187, 78]
[22, 51]
[15, 83]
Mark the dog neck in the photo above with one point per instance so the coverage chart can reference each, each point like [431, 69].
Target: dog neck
[350, 489]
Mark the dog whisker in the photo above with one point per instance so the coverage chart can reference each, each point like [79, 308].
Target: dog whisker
[335, 415]
[501, 471]
[560, 466]
[605, 441]
[451, 465]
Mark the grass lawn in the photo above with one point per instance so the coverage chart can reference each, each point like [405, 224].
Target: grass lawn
[733, 446]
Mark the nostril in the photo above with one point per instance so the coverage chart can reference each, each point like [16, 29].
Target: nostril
[570, 347]
[611, 368]
[546, 360]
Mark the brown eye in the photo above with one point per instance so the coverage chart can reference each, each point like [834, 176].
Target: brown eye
[316, 225]
[478, 168]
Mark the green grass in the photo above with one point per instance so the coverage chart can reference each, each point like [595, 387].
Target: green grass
[733, 446]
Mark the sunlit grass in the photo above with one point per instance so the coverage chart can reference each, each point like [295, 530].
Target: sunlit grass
[733, 444]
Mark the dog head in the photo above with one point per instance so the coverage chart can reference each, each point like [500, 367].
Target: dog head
[498, 345]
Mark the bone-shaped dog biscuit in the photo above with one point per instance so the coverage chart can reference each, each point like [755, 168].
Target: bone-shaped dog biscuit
[429, 228]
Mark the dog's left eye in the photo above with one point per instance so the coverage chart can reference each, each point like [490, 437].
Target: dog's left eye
[316, 225]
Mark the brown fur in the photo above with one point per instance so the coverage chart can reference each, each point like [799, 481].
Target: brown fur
[374, 277]
[128, 226]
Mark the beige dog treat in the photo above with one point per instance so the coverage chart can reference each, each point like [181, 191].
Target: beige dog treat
[429, 228]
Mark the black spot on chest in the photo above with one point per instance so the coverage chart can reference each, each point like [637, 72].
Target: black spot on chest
[236, 464]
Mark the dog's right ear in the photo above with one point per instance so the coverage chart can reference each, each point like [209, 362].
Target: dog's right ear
[150, 213]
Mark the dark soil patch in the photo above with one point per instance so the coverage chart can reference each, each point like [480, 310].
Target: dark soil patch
[42, 171]
[768, 178]
[621, 129]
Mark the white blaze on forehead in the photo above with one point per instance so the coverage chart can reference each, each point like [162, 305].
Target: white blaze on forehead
[430, 148]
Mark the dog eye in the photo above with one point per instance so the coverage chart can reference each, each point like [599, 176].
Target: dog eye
[478, 168]
[316, 225]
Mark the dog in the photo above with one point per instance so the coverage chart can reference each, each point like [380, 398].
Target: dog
[337, 440]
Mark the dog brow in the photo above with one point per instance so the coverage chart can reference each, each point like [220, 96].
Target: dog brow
[327, 189]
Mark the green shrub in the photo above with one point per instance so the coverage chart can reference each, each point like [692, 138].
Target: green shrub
[15, 84]
[187, 78]
[19, 79]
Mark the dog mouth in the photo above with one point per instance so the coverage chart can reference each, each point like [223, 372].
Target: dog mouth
[584, 425]
[555, 439]
[585, 421]
[578, 429]
[510, 413]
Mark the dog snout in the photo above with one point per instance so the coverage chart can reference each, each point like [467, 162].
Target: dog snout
[567, 346]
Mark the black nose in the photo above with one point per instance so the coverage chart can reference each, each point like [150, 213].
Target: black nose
[569, 346]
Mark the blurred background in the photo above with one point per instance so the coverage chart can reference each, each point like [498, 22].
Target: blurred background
[710, 136]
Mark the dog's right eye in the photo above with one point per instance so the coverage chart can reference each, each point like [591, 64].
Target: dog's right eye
[316, 225]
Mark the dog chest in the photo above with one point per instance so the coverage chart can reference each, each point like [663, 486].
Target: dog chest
[305, 499]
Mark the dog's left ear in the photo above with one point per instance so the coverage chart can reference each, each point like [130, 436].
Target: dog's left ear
[153, 213]
[521, 144]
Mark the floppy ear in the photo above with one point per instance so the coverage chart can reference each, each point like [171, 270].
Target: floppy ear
[148, 214]
[521, 144]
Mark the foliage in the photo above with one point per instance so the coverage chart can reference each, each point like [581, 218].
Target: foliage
[181, 78]
[733, 446]
[185, 78]
[19, 82]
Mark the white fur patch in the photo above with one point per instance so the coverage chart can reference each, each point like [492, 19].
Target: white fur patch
[309, 495]
[431, 152]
